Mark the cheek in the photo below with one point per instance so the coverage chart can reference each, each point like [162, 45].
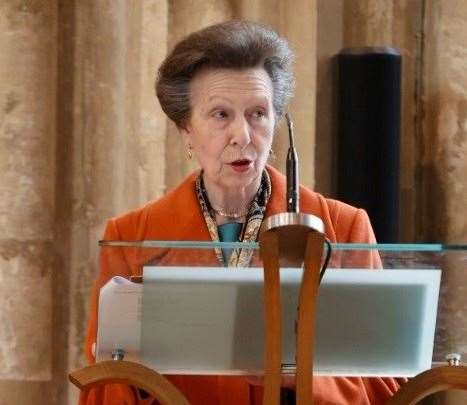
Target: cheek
[214, 149]
[264, 143]
[210, 155]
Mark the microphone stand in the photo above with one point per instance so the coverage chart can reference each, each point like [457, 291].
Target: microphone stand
[291, 238]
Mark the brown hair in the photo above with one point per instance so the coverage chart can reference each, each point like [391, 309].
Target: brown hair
[232, 45]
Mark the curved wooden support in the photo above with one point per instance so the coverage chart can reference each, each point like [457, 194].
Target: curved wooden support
[306, 317]
[269, 250]
[430, 381]
[127, 372]
[293, 245]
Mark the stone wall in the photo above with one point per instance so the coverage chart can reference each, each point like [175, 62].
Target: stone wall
[115, 152]
[82, 138]
[369, 23]
[433, 173]
[429, 35]
[443, 160]
[27, 197]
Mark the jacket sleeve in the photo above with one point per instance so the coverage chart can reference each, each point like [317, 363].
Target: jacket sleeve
[361, 232]
[111, 263]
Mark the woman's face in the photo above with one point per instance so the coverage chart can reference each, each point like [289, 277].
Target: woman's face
[231, 126]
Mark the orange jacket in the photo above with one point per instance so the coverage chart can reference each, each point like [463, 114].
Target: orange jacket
[177, 216]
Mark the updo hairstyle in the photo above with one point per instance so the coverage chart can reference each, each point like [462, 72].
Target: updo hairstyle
[232, 45]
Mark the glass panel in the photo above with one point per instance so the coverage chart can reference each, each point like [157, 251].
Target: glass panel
[127, 258]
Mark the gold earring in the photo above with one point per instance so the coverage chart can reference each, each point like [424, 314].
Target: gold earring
[190, 155]
[272, 155]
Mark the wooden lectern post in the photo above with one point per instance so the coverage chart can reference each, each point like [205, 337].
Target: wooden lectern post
[291, 239]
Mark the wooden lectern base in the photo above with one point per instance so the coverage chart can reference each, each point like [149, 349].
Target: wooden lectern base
[127, 372]
[429, 382]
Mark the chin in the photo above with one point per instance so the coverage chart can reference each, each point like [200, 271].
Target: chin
[242, 180]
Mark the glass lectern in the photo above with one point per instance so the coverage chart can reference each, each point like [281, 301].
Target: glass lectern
[382, 310]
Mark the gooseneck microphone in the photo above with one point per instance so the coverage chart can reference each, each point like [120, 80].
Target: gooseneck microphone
[293, 191]
[292, 171]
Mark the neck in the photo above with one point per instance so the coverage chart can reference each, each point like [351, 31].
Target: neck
[231, 200]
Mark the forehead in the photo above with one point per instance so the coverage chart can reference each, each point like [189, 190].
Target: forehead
[232, 84]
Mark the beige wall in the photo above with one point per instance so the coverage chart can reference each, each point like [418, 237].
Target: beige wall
[431, 37]
[344, 24]
[27, 196]
[82, 138]
[443, 158]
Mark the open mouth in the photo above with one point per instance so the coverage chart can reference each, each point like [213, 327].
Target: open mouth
[241, 162]
[241, 165]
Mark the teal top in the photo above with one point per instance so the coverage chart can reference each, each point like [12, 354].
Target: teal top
[229, 233]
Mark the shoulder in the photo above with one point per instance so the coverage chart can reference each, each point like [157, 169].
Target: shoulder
[343, 222]
[157, 216]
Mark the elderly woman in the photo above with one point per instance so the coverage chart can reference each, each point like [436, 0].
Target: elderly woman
[226, 88]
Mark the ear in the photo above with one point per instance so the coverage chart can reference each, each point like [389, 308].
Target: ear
[185, 132]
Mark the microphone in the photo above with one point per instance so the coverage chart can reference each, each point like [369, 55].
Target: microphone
[292, 171]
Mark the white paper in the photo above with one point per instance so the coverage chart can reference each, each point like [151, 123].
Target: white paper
[119, 318]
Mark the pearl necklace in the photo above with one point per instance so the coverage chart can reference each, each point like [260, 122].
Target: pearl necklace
[233, 215]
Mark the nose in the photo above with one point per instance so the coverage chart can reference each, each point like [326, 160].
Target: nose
[240, 132]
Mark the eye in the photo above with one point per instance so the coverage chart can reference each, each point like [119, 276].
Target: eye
[258, 114]
[220, 114]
